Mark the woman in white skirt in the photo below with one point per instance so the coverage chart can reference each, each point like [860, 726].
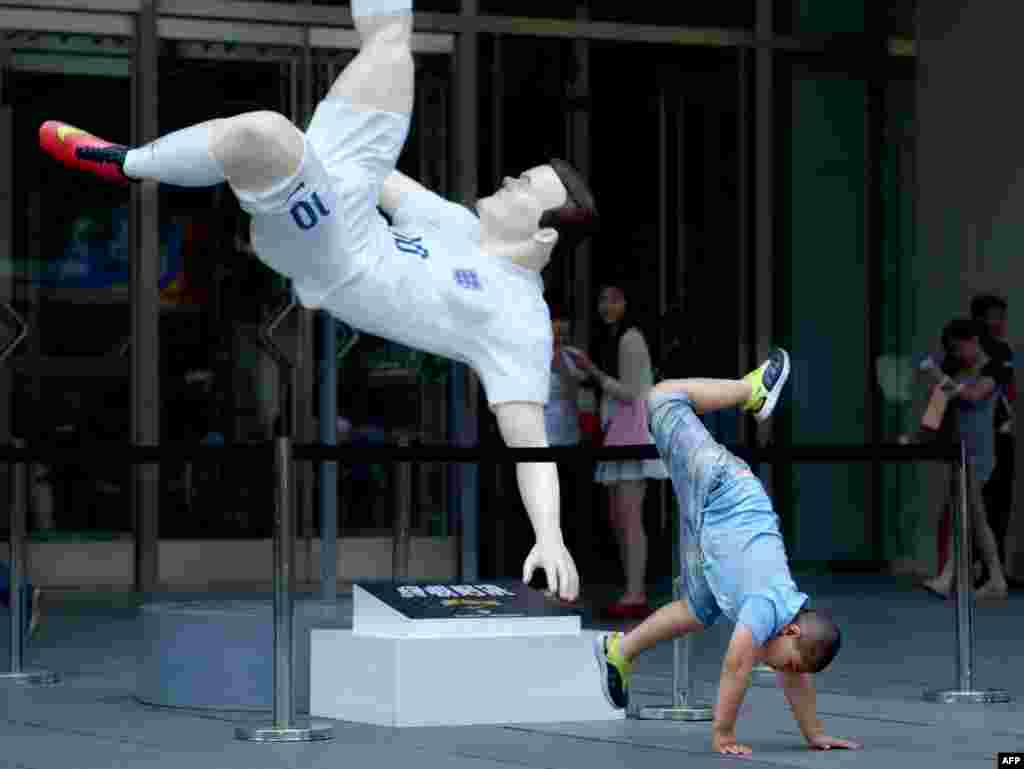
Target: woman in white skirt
[624, 374]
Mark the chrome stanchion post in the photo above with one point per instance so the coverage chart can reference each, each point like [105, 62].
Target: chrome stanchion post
[964, 607]
[403, 516]
[284, 578]
[285, 727]
[684, 706]
[19, 515]
[17, 598]
[964, 555]
[17, 673]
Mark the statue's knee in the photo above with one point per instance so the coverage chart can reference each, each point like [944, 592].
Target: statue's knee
[261, 143]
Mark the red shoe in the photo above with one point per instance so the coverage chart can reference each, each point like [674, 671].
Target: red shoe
[619, 610]
[84, 152]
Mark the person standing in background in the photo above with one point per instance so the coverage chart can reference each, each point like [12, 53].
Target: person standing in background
[561, 413]
[990, 312]
[624, 374]
[968, 379]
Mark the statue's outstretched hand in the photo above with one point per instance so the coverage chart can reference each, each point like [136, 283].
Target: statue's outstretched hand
[554, 559]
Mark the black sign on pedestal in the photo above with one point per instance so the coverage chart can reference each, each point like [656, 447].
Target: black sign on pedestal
[496, 599]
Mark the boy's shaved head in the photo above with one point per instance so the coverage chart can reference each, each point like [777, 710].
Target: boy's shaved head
[819, 639]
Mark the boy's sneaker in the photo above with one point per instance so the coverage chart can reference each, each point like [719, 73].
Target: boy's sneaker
[84, 152]
[767, 382]
[615, 670]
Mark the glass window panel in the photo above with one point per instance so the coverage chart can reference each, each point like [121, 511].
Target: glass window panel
[823, 176]
[70, 264]
[680, 139]
[216, 386]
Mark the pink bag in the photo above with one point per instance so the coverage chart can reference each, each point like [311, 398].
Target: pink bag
[628, 425]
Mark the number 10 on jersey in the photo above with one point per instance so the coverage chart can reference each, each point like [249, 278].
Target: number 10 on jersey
[307, 213]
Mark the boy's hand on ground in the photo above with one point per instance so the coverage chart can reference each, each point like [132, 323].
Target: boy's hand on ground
[726, 744]
[823, 742]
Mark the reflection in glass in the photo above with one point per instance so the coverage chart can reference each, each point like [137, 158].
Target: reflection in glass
[70, 278]
[216, 385]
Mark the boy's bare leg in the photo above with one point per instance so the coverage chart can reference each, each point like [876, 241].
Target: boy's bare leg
[672, 620]
[382, 75]
[710, 394]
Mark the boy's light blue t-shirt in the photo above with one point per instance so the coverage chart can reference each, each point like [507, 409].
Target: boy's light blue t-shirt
[745, 561]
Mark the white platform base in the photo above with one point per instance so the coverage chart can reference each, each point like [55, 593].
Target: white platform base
[396, 681]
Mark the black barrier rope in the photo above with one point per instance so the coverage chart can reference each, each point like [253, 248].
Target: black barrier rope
[128, 453]
[754, 455]
[320, 452]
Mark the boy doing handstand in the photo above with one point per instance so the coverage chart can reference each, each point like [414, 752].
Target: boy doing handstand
[734, 562]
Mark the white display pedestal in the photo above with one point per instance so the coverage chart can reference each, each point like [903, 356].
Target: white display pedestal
[447, 660]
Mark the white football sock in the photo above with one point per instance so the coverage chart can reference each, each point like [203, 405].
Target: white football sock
[181, 158]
